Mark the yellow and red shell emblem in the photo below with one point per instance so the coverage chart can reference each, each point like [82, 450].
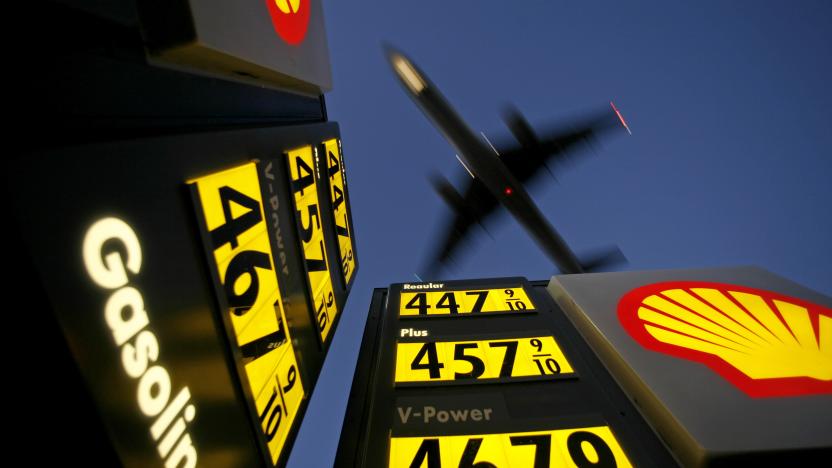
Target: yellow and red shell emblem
[764, 343]
[290, 18]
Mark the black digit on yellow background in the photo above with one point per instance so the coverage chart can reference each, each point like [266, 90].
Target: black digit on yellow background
[274, 412]
[477, 366]
[508, 359]
[305, 176]
[481, 297]
[291, 376]
[233, 227]
[433, 365]
[542, 446]
[605, 457]
[419, 302]
[244, 263]
[448, 302]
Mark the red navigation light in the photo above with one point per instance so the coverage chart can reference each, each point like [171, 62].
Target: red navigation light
[508, 191]
[621, 118]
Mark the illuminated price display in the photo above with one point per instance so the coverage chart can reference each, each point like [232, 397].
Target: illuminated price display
[578, 447]
[475, 301]
[337, 184]
[304, 189]
[530, 358]
[231, 208]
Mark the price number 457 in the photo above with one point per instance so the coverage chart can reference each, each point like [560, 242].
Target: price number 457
[427, 359]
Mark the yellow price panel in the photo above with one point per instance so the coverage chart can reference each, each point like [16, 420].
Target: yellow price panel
[308, 217]
[278, 392]
[250, 286]
[480, 361]
[475, 301]
[337, 184]
[578, 447]
[231, 207]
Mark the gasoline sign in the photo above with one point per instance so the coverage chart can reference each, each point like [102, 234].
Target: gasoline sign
[484, 373]
[199, 340]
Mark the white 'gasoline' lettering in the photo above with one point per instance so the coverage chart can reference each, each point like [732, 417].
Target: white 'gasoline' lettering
[127, 319]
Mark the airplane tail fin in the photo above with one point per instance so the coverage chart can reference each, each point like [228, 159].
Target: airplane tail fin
[600, 260]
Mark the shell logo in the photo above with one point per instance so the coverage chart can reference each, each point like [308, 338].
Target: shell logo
[290, 18]
[766, 344]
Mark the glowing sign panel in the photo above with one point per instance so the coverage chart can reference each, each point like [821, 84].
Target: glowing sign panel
[766, 344]
[337, 187]
[481, 361]
[578, 447]
[303, 173]
[231, 208]
[476, 301]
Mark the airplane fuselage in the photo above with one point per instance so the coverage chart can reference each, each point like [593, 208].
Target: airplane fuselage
[481, 161]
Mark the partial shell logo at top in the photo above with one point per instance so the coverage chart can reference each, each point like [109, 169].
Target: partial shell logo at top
[290, 18]
[764, 343]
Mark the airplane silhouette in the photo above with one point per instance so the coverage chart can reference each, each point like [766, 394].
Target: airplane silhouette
[498, 175]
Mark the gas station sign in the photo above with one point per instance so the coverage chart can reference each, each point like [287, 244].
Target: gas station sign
[484, 373]
[176, 276]
[727, 364]
[658, 368]
[192, 247]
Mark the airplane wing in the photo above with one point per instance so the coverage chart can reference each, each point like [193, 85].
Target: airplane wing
[476, 203]
[467, 213]
[468, 209]
[527, 213]
[554, 146]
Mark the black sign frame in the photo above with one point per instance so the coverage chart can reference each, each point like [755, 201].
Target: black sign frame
[592, 398]
[143, 183]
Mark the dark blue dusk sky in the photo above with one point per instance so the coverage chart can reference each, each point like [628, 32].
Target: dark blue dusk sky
[730, 161]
